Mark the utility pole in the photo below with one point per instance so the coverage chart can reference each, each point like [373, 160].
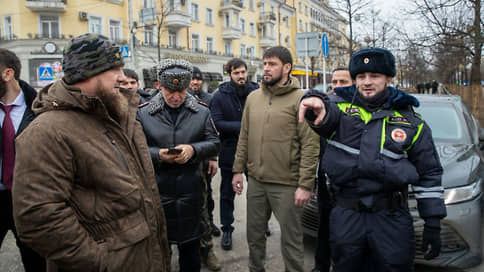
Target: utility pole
[131, 34]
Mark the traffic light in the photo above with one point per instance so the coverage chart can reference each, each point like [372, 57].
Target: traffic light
[225, 70]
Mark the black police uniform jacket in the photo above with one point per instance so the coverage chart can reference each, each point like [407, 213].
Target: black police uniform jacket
[180, 186]
[372, 153]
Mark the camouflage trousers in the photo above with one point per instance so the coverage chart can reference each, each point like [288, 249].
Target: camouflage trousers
[206, 242]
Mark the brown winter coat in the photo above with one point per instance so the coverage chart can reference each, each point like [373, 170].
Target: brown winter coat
[84, 194]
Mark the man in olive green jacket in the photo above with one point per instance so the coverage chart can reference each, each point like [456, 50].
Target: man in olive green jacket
[281, 156]
[85, 195]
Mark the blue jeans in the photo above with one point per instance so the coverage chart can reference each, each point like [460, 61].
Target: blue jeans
[227, 196]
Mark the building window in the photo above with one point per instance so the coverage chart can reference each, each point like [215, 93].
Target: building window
[49, 26]
[172, 39]
[170, 5]
[300, 7]
[300, 25]
[227, 20]
[95, 24]
[149, 35]
[305, 10]
[210, 45]
[242, 3]
[252, 29]
[242, 25]
[228, 48]
[287, 21]
[195, 43]
[209, 15]
[251, 5]
[306, 28]
[243, 50]
[252, 52]
[7, 23]
[195, 13]
[115, 30]
[148, 3]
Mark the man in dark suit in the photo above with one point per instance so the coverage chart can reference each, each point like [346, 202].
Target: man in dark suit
[16, 97]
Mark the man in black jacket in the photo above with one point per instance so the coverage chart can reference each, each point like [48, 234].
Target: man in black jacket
[131, 82]
[226, 108]
[180, 135]
[16, 98]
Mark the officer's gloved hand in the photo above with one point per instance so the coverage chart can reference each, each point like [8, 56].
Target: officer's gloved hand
[431, 237]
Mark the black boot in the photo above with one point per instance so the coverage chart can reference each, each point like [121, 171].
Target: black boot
[227, 240]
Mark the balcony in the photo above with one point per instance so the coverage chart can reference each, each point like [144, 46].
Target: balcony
[175, 19]
[230, 5]
[46, 5]
[231, 33]
[267, 17]
[267, 41]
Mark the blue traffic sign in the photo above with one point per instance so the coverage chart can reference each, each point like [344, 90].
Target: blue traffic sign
[325, 44]
[124, 50]
[46, 73]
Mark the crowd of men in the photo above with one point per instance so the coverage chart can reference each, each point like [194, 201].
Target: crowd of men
[101, 175]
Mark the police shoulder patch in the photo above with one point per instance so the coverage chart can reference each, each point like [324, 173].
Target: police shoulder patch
[143, 104]
[399, 119]
[202, 103]
[352, 110]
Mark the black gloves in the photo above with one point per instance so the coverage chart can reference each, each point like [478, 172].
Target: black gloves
[431, 237]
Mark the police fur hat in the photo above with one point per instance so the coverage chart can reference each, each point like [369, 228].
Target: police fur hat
[197, 73]
[175, 75]
[375, 60]
[88, 55]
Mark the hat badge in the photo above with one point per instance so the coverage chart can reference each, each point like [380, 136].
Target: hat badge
[366, 60]
[175, 81]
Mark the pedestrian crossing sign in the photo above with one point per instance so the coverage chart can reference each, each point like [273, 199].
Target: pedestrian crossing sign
[124, 50]
[45, 73]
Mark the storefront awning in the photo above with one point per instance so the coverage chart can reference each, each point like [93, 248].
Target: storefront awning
[299, 72]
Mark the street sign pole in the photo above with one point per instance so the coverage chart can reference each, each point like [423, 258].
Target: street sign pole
[324, 74]
[325, 47]
[307, 64]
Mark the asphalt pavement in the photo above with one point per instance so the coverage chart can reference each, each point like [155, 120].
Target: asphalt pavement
[235, 260]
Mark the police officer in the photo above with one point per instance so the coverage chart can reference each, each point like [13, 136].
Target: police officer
[377, 146]
[180, 135]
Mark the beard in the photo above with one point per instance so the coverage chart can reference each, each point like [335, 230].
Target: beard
[3, 88]
[113, 101]
[273, 81]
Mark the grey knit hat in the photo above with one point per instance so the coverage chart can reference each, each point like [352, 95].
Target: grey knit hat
[175, 75]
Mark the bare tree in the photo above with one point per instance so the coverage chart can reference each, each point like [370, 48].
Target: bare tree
[454, 24]
[353, 10]
[160, 20]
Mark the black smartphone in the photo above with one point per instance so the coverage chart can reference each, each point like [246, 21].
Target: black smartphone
[173, 151]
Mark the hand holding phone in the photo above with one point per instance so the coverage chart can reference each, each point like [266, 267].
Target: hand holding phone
[174, 151]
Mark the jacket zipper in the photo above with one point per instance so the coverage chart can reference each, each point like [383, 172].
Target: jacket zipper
[113, 142]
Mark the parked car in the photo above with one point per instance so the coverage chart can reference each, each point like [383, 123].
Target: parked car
[459, 141]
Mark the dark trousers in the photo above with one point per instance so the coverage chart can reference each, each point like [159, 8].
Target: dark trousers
[322, 257]
[189, 256]
[210, 202]
[379, 241]
[30, 259]
[227, 196]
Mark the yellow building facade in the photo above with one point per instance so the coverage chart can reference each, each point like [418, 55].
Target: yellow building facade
[206, 32]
